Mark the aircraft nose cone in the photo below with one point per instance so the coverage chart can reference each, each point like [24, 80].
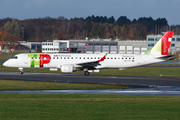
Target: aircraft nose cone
[5, 63]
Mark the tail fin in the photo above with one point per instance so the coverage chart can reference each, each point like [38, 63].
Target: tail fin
[162, 46]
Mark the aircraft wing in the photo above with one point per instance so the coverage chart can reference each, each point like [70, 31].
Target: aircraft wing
[93, 64]
[89, 65]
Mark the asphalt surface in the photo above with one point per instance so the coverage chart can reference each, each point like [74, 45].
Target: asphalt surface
[160, 86]
[92, 79]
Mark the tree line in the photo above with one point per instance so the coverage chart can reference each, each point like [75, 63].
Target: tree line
[47, 28]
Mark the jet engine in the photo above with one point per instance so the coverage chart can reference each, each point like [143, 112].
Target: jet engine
[67, 68]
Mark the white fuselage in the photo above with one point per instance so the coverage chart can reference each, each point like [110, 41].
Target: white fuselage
[120, 61]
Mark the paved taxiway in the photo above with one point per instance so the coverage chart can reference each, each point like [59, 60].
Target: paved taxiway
[166, 86]
[92, 79]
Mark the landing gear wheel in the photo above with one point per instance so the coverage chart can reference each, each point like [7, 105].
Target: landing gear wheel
[21, 72]
[86, 73]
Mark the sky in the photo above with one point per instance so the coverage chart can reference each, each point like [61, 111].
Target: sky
[30, 9]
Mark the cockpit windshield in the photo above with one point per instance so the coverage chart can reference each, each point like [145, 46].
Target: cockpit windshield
[14, 57]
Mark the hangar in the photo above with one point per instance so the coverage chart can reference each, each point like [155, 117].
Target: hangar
[107, 45]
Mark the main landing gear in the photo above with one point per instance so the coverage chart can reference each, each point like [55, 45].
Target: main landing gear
[21, 70]
[86, 73]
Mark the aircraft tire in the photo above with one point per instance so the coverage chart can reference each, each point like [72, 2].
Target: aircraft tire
[21, 73]
[86, 73]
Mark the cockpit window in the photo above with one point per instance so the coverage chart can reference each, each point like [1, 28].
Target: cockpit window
[15, 57]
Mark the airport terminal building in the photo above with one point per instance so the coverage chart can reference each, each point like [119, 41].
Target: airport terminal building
[108, 45]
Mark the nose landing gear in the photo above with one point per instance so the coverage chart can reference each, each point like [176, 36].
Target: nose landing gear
[21, 70]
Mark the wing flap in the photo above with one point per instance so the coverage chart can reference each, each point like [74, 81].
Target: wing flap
[95, 63]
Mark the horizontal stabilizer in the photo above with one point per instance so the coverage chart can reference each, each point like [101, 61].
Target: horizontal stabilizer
[168, 57]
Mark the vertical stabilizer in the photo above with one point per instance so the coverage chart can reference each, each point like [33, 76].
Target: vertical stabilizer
[162, 46]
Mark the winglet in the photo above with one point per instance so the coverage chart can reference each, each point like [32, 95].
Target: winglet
[102, 59]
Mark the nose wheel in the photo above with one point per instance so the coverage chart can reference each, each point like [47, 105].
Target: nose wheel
[86, 73]
[21, 71]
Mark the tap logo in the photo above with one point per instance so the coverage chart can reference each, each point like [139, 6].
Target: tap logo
[166, 42]
[164, 46]
[38, 60]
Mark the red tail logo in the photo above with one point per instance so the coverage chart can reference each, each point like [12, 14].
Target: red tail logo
[166, 42]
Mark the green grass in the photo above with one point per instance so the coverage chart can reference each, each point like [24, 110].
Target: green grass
[141, 71]
[86, 106]
[8, 54]
[30, 85]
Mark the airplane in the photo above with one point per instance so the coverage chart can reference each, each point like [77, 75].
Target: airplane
[69, 63]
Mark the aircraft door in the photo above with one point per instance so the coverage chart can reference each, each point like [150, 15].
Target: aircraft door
[139, 58]
[25, 59]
